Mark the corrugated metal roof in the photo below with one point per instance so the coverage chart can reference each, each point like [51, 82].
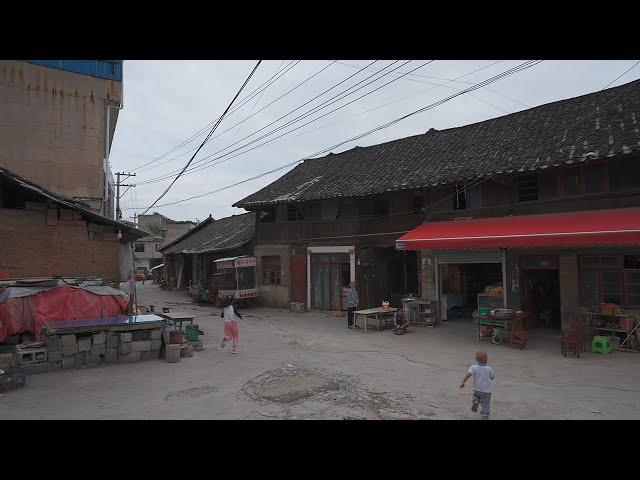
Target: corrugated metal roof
[43, 193]
[597, 125]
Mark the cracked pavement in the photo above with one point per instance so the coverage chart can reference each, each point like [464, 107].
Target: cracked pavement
[309, 366]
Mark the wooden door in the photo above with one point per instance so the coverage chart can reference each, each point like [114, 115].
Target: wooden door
[298, 278]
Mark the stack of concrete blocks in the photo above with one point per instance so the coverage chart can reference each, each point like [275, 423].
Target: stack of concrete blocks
[32, 359]
[92, 349]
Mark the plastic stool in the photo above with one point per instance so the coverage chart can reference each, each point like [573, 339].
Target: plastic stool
[601, 344]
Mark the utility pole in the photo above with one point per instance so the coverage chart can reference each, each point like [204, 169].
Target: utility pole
[118, 196]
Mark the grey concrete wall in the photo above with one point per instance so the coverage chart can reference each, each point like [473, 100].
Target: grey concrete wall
[52, 128]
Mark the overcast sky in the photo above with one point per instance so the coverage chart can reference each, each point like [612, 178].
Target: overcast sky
[166, 102]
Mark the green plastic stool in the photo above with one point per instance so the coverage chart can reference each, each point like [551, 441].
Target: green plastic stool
[601, 344]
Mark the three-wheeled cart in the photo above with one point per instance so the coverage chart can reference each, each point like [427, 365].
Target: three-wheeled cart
[235, 277]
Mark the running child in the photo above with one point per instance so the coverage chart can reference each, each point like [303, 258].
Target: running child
[231, 315]
[482, 379]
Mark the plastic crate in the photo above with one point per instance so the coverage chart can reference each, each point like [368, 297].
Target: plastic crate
[11, 378]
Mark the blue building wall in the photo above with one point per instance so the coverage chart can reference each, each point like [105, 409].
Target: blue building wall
[109, 69]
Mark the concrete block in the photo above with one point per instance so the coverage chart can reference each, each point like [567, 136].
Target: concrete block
[78, 360]
[84, 344]
[297, 307]
[68, 340]
[125, 337]
[186, 350]
[112, 341]
[156, 344]
[129, 357]
[154, 354]
[99, 338]
[55, 365]
[29, 356]
[141, 346]
[53, 343]
[92, 360]
[172, 353]
[69, 350]
[67, 362]
[141, 335]
[6, 359]
[145, 356]
[54, 356]
[125, 348]
[98, 349]
[111, 355]
[156, 334]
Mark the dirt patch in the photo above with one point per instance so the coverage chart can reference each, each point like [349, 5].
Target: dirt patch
[289, 385]
[330, 391]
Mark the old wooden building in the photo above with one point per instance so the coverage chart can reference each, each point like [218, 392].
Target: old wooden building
[337, 218]
[190, 257]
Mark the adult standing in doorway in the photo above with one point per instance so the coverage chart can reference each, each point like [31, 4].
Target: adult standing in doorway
[352, 303]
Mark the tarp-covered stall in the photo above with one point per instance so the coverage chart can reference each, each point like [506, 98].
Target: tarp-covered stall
[29, 309]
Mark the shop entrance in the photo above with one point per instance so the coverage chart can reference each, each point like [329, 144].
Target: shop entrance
[541, 296]
[466, 287]
[330, 273]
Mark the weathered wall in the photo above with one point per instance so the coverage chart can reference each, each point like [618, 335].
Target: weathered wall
[274, 295]
[52, 127]
[36, 243]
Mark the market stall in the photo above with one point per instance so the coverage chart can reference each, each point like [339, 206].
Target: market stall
[234, 277]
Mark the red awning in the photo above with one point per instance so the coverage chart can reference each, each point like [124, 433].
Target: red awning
[596, 227]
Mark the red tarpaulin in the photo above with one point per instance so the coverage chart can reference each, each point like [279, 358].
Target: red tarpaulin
[30, 312]
[591, 228]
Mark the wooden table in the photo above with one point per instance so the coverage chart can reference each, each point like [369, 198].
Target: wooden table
[377, 313]
[179, 317]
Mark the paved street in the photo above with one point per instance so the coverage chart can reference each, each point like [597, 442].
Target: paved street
[309, 366]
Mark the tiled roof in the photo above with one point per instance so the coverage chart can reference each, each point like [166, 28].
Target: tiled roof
[215, 235]
[601, 124]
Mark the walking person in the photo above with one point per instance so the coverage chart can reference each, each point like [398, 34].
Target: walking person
[352, 303]
[231, 315]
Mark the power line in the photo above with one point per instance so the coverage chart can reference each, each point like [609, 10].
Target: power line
[205, 140]
[268, 83]
[409, 96]
[457, 79]
[488, 81]
[622, 75]
[253, 114]
[164, 177]
[295, 120]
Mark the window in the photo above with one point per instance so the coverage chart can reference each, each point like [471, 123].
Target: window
[624, 175]
[594, 178]
[139, 247]
[418, 204]
[572, 181]
[527, 187]
[381, 206]
[295, 213]
[267, 216]
[271, 270]
[610, 279]
[460, 198]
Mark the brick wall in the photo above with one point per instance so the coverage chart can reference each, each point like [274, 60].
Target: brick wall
[40, 242]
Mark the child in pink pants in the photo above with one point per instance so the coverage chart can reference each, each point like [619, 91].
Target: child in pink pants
[231, 315]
